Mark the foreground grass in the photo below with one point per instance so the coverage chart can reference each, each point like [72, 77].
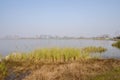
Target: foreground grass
[88, 69]
[116, 44]
[114, 74]
[59, 64]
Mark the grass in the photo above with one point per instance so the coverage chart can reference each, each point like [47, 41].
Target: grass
[51, 54]
[52, 64]
[3, 70]
[0, 57]
[56, 54]
[90, 69]
[93, 49]
[116, 44]
[114, 74]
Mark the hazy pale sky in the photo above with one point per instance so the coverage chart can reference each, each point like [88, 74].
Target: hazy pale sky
[59, 17]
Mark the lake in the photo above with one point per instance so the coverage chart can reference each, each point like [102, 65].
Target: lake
[27, 45]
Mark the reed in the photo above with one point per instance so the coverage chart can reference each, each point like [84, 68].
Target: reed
[50, 54]
[116, 44]
[55, 54]
[93, 49]
[3, 70]
[0, 58]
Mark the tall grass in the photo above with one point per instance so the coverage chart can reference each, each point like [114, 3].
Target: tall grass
[93, 49]
[0, 58]
[116, 44]
[51, 54]
[3, 70]
[55, 54]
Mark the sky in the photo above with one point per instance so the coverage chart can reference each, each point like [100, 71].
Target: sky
[59, 17]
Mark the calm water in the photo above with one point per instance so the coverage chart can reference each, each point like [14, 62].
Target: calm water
[9, 46]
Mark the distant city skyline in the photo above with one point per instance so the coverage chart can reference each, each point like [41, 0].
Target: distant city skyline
[57, 36]
[86, 18]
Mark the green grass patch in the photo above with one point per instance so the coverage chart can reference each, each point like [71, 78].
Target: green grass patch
[3, 70]
[56, 54]
[93, 49]
[51, 54]
[116, 44]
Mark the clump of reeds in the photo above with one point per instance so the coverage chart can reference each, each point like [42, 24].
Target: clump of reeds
[93, 49]
[3, 70]
[55, 54]
[16, 56]
[116, 44]
[59, 54]
[0, 58]
[50, 54]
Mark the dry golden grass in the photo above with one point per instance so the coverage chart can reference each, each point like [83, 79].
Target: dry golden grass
[75, 70]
